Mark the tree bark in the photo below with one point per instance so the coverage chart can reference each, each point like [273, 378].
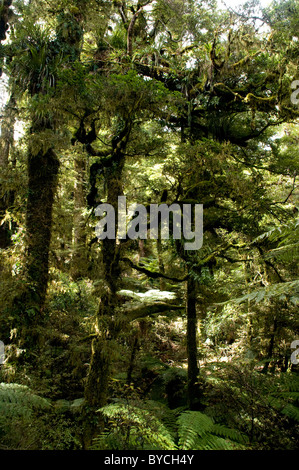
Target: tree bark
[193, 369]
[107, 325]
[270, 347]
[42, 183]
[6, 144]
[79, 259]
[42, 167]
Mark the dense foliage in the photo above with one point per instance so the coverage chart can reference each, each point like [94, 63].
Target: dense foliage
[139, 343]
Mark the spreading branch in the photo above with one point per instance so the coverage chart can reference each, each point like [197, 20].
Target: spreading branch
[131, 28]
[143, 311]
[153, 274]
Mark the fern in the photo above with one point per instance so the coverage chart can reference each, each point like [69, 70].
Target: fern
[286, 237]
[167, 416]
[132, 427]
[285, 232]
[18, 400]
[198, 431]
[292, 412]
[228, 433]
[286, 401]
[285, 253]
[280, 290]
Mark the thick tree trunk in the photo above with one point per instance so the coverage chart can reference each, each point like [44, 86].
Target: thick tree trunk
[42, 171]
[42, 182]
[4, 20]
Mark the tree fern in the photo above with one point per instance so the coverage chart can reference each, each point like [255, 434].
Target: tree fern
[286, 253]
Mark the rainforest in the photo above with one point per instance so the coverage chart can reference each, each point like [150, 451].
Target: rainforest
[147, 342]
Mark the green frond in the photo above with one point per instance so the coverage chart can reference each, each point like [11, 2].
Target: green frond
[19, 400]
[198, 431]
[293, 384]
[191, 425]
[212, 442]
[167, 416]
[285, 253]
[133, 428]
[291, 411]
[279, 290]
[228, 433]
[282, 233]
[286, 400]
[286, 238]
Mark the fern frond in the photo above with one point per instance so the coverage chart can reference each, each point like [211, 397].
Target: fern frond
[19, 400]
[286, 400]
[291, 411]
[284, 253]
[212, 442]
[228, 433]
[191, 425]
[281, 289]
[138, 423]
[283, 232]
[198, 431]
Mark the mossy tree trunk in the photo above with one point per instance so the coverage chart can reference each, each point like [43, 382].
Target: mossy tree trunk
[106, 332]
[107, 325]
[42, 183]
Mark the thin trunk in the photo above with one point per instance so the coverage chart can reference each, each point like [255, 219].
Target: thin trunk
[250, 324]
[79, 261]
[193, 369]
[270, 348]
[161, 263]
[6, 145]
[141, 250]
[135, 349]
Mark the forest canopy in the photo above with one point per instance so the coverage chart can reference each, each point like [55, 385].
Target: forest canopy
[139, 342]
